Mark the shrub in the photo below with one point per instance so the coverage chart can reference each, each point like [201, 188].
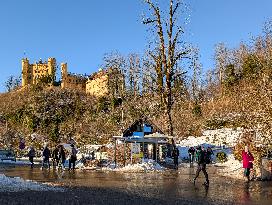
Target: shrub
[215, 124]
[221, 157]
[197, 112]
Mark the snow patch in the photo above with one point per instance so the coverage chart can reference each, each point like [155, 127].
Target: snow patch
[231, 168]
[220, 140]
[14, 184]
[147, 165]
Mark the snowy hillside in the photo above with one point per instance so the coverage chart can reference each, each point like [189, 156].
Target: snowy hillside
[220, 140]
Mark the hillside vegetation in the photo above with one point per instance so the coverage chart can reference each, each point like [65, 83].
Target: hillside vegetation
[237, 93]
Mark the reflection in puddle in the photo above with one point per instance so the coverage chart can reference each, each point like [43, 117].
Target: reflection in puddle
[157, 185]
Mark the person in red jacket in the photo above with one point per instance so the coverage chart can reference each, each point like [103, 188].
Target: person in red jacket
[247, 162]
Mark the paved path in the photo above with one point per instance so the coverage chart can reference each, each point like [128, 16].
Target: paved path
[170, 187]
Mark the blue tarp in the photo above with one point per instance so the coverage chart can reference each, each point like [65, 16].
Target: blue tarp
[138, 134]
[147, 128]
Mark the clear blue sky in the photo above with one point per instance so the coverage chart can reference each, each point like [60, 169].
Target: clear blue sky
[81, 32]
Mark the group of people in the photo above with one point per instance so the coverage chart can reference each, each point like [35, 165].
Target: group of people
[58, 157]
[194, 153]
[198, 154]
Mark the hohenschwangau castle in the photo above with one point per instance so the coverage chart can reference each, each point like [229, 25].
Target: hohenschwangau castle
[98, 84]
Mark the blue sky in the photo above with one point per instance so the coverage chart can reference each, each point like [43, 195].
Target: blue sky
[81, 32]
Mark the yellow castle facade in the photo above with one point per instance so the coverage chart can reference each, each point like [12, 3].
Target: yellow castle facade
[98, 84]
[33, 73]
[72, 81]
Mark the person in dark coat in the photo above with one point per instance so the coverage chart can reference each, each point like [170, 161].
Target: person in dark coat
[31, 154]
[62, 156]
[209, 154]
[176, 157]
[202, 166]
[191, 153]
[46, 155]
[92, 154]
[73, 157]
[247, 162]
[55, 156]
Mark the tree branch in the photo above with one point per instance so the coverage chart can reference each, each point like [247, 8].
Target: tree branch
[176, 7]
[180, 55]
[179, 31]
[149, 20]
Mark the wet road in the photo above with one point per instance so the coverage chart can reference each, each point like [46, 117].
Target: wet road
[169, 187]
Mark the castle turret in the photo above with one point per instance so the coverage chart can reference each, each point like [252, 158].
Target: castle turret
[63, 74]
[25, 73]
[51, 66]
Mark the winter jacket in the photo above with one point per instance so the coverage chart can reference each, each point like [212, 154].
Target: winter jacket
[74, 152]
[202, 157]
[55, 153]
[175, 153]
[46, 153]
[31, 153]
[247, 159]
[191, 150]
[62, 154]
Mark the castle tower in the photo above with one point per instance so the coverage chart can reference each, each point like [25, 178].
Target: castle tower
[63, 74]
[51, 66]
[25, 73]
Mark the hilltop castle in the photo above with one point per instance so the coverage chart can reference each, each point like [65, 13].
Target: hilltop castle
[32, 73]
[102, 83]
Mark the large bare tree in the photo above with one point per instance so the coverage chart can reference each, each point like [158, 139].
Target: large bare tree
[168, 50]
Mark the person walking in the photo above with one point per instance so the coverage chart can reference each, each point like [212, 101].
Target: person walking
[175, 156]
[31, 154]
[46, 155]
[55, 156]
[62, 157]
[191, 153]
[247, 162]
[73, 157]
[197, 153]
[202, 166]
[209, 155]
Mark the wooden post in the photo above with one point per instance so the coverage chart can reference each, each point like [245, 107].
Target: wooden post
[131, 152]
[124, 153]
[156, 150]
[115, 153]
[143, 152]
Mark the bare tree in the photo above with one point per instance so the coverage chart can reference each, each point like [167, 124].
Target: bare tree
[196, 67]
[221, 56]
[116, 65]
[148, 76]
[168, 51]
[134, 74]
[12, 83]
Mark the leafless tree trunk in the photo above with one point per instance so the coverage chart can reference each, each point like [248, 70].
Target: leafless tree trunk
[196, 78]
[168, 51]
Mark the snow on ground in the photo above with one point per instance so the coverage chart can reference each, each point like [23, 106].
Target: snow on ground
[14, 184]
[219, 137]
[147, 165]
[219, 140]
[15, 162]
[231, 168]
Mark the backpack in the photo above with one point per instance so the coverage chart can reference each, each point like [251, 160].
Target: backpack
[207, 158]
